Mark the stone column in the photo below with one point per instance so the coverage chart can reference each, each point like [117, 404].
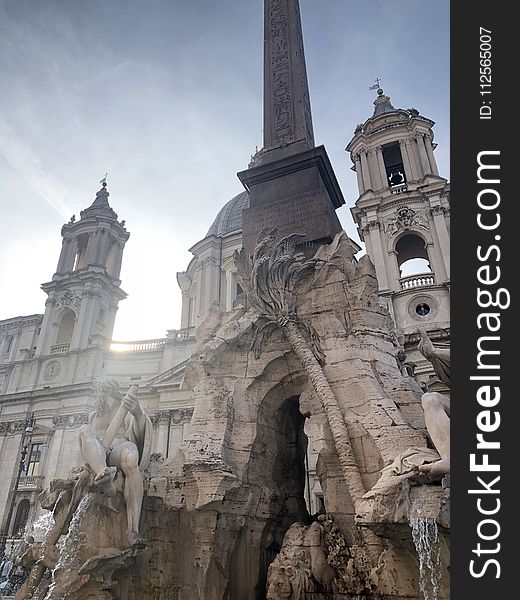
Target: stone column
[425, 164]
[81, 318]
[198, 304]
[209, 287]
[45, 337]
[413, 155]
[110, 319]
[230, 292]
[436, 262]
[185, 310]
[366, 173]
[395, 274]
[410, 176]
[431, 157]
[161, 444]
[71, 256]
[83, 326]
[118, 259]
[51, 465]
[176, 437]
[359, 174]
[104, 243]
[443, 236]
[92, 248]
[62, 261]
[373, 165]
[377, 254]
[382, 167]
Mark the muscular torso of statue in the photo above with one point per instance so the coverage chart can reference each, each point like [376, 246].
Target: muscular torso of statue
[106, 456]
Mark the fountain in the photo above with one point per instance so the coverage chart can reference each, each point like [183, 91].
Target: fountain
[311, 361]
[425, 535]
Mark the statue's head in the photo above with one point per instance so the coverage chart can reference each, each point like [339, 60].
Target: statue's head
[105, 390]
[279, 586]
[289, 579]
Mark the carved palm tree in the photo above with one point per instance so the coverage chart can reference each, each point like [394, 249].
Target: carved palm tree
[272, 280]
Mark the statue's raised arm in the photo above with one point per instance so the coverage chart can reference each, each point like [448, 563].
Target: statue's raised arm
[118, 436]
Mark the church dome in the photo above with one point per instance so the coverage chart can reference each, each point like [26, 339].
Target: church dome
[229, 218]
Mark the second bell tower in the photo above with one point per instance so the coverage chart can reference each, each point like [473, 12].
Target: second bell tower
[85, 291]
[402, 214]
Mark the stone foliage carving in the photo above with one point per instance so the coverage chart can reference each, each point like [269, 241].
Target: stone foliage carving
[404, 218]
[175, 416]
[12, 426]
[68, 300]
[72, 420]
[374, 224]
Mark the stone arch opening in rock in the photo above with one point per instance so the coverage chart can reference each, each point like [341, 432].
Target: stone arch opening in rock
[279, 466]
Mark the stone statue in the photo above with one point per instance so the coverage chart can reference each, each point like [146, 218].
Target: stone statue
[437, 406]
[301, 566]
[118, 436]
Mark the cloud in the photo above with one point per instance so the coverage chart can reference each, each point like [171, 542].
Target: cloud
[20, 156]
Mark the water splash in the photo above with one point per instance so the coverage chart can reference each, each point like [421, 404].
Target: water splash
[425, 535]
[40, 527]
[69, 546]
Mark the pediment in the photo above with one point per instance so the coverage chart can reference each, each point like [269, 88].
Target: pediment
[174, 376]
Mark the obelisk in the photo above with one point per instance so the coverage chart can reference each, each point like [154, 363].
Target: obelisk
[287, 106]
[290, 182]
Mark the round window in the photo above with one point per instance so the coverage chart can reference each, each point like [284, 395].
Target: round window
[422, 309]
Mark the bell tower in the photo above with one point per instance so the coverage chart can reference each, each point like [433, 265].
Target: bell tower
[402, 214]
[85, 291]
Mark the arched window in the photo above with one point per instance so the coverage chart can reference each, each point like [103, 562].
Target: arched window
[66, 328]
[394, 164]
[412, 255]
[81, 252]
[20, 521]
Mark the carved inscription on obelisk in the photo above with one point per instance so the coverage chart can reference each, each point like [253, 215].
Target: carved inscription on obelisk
[287, 109]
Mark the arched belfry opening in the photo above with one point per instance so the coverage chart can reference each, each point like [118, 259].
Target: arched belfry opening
[412, 255]
[81, 252]
[66, 327]
[394, 165]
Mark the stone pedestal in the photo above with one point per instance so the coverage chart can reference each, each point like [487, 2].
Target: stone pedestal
[297, 194]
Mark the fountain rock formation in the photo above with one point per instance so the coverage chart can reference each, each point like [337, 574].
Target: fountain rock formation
[310, 359]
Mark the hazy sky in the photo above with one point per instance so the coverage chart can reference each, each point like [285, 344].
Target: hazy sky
[166, 95]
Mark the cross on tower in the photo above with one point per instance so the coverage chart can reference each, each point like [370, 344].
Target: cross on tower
[376, 84]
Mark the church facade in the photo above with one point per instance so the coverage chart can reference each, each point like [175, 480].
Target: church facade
[49, 361]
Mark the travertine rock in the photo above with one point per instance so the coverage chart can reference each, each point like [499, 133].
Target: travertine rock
[216, 515]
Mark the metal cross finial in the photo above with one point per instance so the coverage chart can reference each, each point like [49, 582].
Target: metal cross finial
[376, 84]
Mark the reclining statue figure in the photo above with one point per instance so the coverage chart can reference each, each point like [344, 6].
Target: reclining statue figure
[118, 436]
[437, 406]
